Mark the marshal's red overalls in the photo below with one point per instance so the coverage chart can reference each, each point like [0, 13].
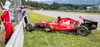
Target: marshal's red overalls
[7, 23]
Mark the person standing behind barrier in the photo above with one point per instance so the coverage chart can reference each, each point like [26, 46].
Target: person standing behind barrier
[58, 19]
[24, 14]
[6, 21]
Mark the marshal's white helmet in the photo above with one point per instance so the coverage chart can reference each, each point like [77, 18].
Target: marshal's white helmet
[7, 5]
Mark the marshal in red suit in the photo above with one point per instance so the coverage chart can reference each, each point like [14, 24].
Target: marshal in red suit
[6, 21]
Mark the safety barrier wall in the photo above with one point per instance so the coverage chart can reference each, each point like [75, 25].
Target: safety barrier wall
[17, 37]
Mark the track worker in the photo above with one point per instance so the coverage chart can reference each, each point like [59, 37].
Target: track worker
[6, 21]
[23, 11]
[58, 19]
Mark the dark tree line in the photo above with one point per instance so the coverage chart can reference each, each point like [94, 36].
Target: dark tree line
[55, 6]
[3, 1]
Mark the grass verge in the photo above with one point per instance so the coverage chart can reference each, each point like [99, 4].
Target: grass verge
[93, 13]
[2, 35]
[39, 38]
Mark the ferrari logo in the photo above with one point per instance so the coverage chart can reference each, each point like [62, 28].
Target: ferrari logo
[62, 21]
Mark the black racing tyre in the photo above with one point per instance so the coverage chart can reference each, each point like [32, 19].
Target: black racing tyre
[83, 31]
[30, 27]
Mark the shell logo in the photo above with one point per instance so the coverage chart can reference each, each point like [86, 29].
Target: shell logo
[62, 21]
[44, 24]
[56, 28]
[51, 27]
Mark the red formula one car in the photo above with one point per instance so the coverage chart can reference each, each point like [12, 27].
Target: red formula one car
[65, 25]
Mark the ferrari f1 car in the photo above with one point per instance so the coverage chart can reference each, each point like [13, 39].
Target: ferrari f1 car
[81, 27]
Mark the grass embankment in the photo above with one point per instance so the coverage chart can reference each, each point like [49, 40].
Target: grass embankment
[93, 13]
[2, 35]
[39, 38]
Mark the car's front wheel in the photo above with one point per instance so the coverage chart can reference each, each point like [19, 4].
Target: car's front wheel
[30, 27]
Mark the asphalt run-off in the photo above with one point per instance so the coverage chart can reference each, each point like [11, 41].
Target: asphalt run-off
[75, 16]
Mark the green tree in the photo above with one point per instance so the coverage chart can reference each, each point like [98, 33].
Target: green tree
[55, 6]
[25, 2]
[3, 1]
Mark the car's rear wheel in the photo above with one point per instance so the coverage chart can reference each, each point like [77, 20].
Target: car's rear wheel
[83, 31]
[30, 27]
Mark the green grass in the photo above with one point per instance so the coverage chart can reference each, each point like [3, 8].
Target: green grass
[39, 38]
[34, 17]
[0, 12]
[2, 37]
[93, 13]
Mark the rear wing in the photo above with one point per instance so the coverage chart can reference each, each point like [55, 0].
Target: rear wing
[90, 24]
